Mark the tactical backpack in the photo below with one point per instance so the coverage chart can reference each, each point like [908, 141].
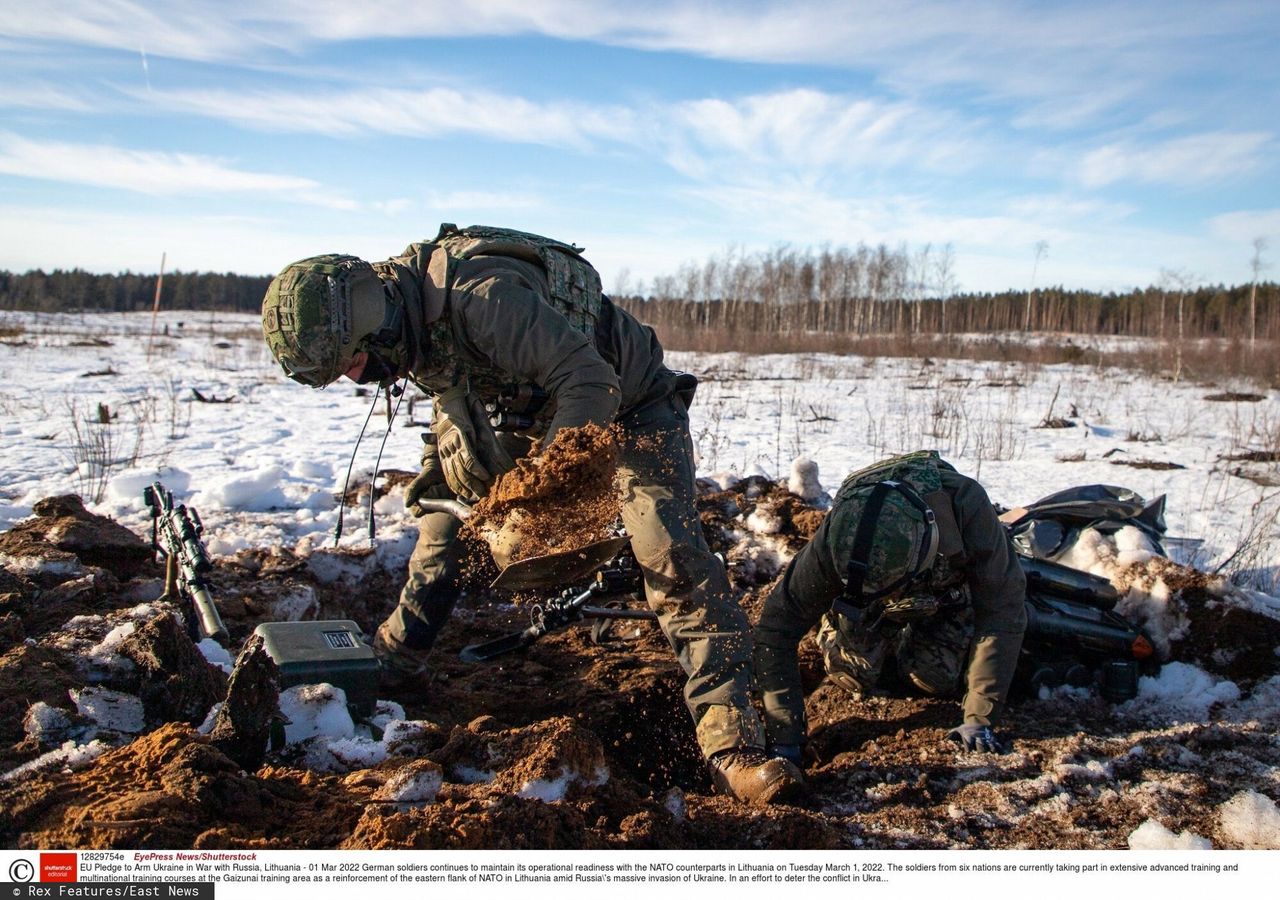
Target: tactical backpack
[575, 292]
[575, 284]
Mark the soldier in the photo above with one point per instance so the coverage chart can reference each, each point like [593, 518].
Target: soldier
[481, 314]
[911, 568]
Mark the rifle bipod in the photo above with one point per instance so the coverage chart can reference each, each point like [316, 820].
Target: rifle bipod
[572, 605]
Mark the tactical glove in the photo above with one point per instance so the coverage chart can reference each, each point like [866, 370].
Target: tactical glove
[430, 482]
[470, 456]
[972, 736]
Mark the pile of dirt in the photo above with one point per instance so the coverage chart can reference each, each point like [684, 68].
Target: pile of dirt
[62, 530]
[170, 788]
[561, 497]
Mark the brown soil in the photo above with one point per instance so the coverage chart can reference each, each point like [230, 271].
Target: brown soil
[599, 731]
[1235, 397]
[1154, 464]
[562, 496]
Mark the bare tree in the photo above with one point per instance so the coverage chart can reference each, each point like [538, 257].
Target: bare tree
[945, 279]
[1256, 264]
[1181, 281]
[1041, 248]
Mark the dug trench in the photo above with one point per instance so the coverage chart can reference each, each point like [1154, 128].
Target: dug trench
[569, 744]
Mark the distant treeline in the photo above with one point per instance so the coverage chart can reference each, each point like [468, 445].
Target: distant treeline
[59, 291]
[865, 292]
[858, 292]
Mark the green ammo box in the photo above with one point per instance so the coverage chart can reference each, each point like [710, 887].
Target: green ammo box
[331, 652]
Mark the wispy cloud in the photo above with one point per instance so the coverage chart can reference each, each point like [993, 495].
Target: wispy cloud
[1245, 225]
[146, 172]
[15, 94]
[1051, 55]
[1194, 160]
[434, 112]
[801, 129]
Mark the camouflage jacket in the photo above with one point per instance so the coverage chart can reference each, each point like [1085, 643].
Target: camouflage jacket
[501, 313]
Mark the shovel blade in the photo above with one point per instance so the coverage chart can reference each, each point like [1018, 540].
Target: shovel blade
[558, 570]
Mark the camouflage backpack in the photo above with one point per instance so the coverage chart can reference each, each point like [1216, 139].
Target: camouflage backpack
[575, 292]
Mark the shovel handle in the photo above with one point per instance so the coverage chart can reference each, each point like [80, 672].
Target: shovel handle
[455, 508]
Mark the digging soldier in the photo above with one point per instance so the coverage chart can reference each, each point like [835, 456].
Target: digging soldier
[479, 315]
[911, 570]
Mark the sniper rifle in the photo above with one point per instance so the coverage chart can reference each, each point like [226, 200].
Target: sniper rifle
[175, 534]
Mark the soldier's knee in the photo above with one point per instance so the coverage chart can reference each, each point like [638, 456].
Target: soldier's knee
[679, 567]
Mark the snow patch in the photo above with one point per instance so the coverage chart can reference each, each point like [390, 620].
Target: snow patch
[295, 604]
[470, 775]
[316, 710]
[110, 710]
[329, 566]
[127, 487]
[415, 784]
[216, 654]
[38, 565]
[1251, 820]
[328, 754]
[257, 491]
[46, 724]
[70, 756]
[1262, 705]
[804, 481]
[764, 520]
[555, 789]
[1151, 835]
[210, 719]
[1180, 690]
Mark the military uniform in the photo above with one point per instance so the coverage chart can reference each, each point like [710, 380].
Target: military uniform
[492, 307]
[974, 568]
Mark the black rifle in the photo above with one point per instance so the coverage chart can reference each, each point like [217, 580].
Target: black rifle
[1075, 637]
[175, 534]
[572, 605]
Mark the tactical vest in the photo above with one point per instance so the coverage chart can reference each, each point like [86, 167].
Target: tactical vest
[575, 292]
[920, 471]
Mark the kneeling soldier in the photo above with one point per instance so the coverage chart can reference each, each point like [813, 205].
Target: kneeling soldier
[911, 568]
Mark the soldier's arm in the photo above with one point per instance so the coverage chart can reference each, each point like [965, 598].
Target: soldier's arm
[795, 604]
[505, 322]
[998, 588]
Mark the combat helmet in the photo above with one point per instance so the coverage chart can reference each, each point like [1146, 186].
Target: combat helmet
[886, 537]
[319, 312]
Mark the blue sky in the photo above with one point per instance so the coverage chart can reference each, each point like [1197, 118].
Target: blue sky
[1131, 137]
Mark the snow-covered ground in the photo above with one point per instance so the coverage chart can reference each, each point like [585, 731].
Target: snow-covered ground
[265, 467]
[85, 409]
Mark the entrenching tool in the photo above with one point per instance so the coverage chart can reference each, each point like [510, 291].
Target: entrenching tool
[621, 577]
[572, 605]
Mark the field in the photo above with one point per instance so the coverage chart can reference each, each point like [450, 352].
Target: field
[577, 744]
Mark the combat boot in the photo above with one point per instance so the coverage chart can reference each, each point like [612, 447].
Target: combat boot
[400, 665]
[752, 776]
